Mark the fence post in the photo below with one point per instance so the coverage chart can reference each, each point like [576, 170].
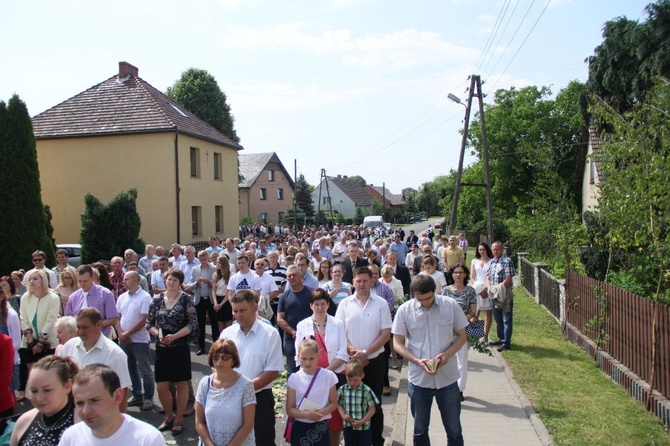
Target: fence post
[561, 300]
[521, 256]
[539, 266]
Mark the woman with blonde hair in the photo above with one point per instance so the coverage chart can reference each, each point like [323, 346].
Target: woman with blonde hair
[40, 307]
[67, 284]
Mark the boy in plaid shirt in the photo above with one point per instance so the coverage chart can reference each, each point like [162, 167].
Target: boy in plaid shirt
[356, 404]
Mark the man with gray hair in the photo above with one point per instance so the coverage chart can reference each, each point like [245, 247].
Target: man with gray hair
[129, 255]
[149, 256]
[201, 286]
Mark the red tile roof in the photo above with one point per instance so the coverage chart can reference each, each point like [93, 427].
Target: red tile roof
[118, 107]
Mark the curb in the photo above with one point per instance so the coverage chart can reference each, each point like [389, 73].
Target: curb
[401, 413]
[535, 420]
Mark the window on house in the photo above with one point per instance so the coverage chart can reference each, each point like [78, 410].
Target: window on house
[196, 220]
[195, 162]
[280, 217]
[218, 219]
[592, 170]
[280, 194]
[271, 175]
[263, 193]
[218, 166]
[326, 200]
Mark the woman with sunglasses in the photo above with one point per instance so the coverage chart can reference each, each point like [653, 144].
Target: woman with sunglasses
[225, 395]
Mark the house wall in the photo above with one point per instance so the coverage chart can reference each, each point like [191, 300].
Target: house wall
[251, 204]
[104, 166]
[590, 190]
[207, 192]
[341, 201]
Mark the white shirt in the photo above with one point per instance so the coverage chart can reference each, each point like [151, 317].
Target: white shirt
[103, 352]
[428, 332]
[319, 393]
[336, 338]
[259, 350]
[246, 281]
[267, 284]
[132, 432]
[363, 324]
[131, 308]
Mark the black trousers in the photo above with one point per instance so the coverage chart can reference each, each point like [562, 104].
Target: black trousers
[264, 423]
[203, 309]
[374, 379]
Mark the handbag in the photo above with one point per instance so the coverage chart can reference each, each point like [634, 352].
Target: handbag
[264, 308]
[289, 422]
[475, 329]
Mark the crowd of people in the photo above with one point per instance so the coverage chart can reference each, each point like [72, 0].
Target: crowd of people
[333, 307]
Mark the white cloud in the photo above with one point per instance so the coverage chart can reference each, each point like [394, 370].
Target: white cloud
[397, 50]
[285, 96]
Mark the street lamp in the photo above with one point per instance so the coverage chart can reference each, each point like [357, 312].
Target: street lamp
[456, 99]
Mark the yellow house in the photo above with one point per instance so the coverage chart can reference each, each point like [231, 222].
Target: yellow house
[266, 191]
[123, 133]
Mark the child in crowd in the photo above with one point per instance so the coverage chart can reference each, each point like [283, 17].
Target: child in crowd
[310, 403]
[356, 404]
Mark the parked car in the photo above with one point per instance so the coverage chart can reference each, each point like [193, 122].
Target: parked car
[74, 253]
[415, 219]
[439, 223]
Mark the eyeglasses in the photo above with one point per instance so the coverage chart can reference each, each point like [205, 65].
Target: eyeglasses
[221, 357]
[458, 272]
[325, 267]
[38, 260]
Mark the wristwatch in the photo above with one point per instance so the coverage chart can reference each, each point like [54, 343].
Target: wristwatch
[365, 352]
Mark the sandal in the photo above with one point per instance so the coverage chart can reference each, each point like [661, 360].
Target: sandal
[166, 425]
[177, 429]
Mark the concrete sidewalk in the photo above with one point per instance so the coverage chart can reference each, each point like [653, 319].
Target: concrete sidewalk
[495, 411]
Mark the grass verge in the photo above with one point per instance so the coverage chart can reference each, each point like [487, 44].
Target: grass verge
[578, 404]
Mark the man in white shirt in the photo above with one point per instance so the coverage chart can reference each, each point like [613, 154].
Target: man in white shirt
[91, 347]
[149, 256]
[243, 279]
[261, 360]
[98, 396]
[133, 307]
[367, 323]
[232, 252]
[157, 281]
[430, 329]
[201, 287]
[187, 266]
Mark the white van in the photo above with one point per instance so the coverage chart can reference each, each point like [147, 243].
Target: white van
[373, 221]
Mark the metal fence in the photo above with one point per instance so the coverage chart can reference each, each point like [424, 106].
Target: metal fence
[550, 293]
[621, 323]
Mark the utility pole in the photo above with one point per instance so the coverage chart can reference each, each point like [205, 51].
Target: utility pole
[475, 84]
[295, 196]
[322, 180]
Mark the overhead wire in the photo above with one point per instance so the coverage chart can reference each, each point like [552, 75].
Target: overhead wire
[501, 36]
[522, 44]
[496, 25]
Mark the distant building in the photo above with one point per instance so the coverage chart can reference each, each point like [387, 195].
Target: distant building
[592, 176]
[394, 202]
[346, 196]
[123, 133]
[266, 191]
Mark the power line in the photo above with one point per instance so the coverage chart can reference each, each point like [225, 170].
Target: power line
[522, 44]
[501, 36]
[496, 25]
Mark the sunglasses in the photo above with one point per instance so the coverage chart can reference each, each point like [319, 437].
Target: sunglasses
[221, 357]
[38, 260]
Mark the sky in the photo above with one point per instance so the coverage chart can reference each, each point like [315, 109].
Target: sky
[355, 87]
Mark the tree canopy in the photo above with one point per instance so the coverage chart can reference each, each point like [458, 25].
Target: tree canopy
[198, 91]
[107, 230]
[24, 229]
[623, 66]
[303, 192]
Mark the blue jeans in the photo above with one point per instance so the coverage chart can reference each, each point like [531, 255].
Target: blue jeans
[448, 401]
[139, 362]
[504, 323]
[289, 353]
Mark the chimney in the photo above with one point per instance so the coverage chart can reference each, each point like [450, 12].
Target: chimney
[339, 176]
[345, 177]
[126, 69]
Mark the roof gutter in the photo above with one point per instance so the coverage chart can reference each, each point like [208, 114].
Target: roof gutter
[177, 187]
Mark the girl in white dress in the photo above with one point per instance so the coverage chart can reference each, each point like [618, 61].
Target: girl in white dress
[479, 269]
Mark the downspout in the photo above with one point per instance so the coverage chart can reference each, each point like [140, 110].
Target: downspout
[177, 188]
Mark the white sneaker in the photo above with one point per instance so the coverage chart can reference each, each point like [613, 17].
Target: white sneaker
[147, 405]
